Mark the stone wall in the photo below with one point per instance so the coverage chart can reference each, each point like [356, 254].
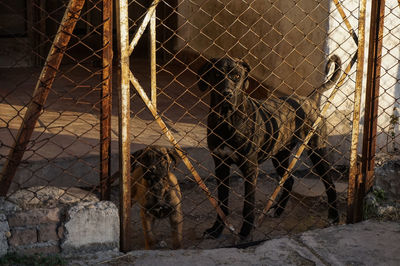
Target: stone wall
[66, 228]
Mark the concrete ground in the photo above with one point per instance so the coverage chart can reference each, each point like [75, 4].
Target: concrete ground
[370, 242]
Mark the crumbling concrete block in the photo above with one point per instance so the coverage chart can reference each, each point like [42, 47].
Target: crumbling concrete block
[23, 236]
[34, 217]
[91, 226]
[50, 197]
[4, 233]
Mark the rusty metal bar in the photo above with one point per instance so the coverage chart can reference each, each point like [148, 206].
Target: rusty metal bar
[106, 103]
[124, 126]
[354, 173]
[346, 21]
[143, 26]
[153, 77]
[371, 101]
[300, 150]
[186, 161]
[40, 93]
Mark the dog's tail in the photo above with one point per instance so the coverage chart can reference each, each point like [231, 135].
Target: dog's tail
[334, 59]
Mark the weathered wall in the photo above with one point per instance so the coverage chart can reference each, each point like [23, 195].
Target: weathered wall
[283, 41]
[340, 43]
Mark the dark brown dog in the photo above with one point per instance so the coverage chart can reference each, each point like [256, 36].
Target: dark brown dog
[246, 132]
[157, 191]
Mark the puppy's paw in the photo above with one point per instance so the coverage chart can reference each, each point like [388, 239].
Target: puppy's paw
[162, 244]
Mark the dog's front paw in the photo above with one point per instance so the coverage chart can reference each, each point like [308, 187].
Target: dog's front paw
[277, 210]
[245, 231]
[333, 216]
[213, 232]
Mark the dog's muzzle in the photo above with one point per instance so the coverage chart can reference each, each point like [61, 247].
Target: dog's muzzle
[227, 94]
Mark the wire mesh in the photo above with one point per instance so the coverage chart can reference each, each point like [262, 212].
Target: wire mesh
[388, 113]
[64, 148]
[286, 45]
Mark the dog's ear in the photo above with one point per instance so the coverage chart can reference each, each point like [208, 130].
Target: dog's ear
[204, 74]
[247, 71]
[173, 154]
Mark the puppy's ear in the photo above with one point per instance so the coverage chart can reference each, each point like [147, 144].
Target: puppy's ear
[204, 74]
[173, 154]
[134, 157]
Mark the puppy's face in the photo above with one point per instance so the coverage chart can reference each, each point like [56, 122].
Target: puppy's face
[156, 163]
[227, 79]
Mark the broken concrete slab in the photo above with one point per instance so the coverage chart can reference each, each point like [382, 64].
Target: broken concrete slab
[91, 226]
[282, 251]
[356, 244]
[368, 243]
[49, 197]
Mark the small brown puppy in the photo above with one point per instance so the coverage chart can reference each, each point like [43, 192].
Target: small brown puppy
[157, 191]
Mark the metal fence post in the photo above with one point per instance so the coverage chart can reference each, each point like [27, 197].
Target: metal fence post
[371, 101]
[354, 173]
[106, 103]
[124, 127]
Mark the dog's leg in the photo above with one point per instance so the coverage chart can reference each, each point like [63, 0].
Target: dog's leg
[250, 171]
[318, 158]
[176, 222]
[176, 218]
[147, 223]
[222, 176]
[281, 163]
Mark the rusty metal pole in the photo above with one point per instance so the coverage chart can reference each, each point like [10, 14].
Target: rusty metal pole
[106, 103]
[371, 101]
[354, 173]
[124, 128]
[40, 93]
[153, 59]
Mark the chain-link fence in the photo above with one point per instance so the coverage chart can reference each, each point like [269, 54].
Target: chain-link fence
[281, 50]
[388, 113]
[286, 46]
[51, 73]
